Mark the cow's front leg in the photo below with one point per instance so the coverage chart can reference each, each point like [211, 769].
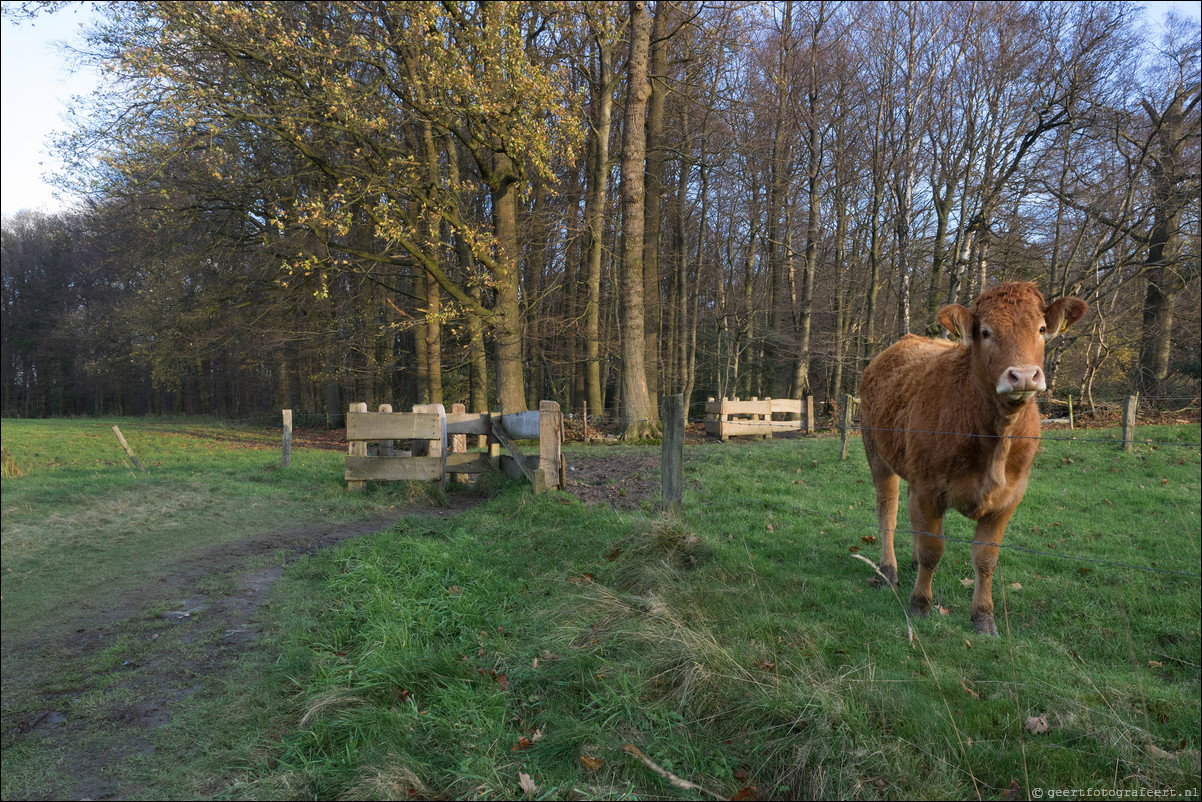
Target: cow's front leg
[926, 521]
[887, 485]
[990, 529]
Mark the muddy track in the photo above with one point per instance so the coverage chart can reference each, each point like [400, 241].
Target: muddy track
[222, 624]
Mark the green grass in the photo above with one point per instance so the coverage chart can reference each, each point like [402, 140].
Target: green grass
[81, 525]
[744, 646]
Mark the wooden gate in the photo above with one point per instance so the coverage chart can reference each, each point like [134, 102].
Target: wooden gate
[438, 444]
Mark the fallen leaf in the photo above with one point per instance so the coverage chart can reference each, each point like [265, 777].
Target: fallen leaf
[523, 744]
[536, 736]
[1156, 751]
[968, 690]
[1155, 664]
[527, 784]
[853, 549]
[591, 763]
[968, 643]
[1015, 586]
[741, 774]
[1015, 791]
[745, 794]
[502, 681]
[613, 555]
[942, 610]
[454, 590]
[1037, 725]
[968, 583]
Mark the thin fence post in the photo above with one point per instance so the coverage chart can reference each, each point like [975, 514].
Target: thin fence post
[286, 457]
[672, 454]
[807, 411]
[1129, 407]
[845, 427]
[356, 448]
[128, 450]
[1070, 412]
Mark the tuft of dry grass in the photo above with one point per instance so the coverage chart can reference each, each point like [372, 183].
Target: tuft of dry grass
[8, 465]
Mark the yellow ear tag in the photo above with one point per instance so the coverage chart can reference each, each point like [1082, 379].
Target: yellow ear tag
[1063, 328]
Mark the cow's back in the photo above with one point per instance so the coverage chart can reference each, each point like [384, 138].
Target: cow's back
[897, 378]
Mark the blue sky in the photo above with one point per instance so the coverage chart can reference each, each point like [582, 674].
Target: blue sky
[38, 83]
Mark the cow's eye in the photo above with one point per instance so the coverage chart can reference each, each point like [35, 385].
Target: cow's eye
[984, 334]
[1043, 329]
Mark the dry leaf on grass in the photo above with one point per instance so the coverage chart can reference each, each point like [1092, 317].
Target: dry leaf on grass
[1037, 725]
[528, 785]
[1156, 751]
[968, 583]
[591, 763]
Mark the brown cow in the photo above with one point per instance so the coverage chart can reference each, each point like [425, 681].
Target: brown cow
[957, 420]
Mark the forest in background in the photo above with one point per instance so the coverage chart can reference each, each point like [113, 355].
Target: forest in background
[303, 205]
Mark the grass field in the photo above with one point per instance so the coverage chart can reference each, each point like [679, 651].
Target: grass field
[536, 647]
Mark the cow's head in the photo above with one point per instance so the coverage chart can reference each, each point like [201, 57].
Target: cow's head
[1006, 329]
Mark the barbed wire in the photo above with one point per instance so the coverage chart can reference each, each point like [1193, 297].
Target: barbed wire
[874, 525]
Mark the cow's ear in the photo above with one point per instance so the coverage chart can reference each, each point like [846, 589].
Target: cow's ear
[1062, 313]
[958, 320]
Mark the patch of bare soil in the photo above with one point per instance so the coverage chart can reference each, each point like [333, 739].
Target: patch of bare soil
[222, 624]
[626, 481]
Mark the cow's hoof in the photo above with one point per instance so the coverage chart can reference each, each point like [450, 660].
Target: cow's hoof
[890, 574]
[984, 624]
[920, 607]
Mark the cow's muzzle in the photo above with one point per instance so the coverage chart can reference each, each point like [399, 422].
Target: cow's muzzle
[1020, 382]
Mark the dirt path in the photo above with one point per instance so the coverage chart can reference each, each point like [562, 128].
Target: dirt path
[220, 625]
[202, 635]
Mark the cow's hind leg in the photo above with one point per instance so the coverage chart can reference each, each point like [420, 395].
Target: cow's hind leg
[887, 485]
[926, 522]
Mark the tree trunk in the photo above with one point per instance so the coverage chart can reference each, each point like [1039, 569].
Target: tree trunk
[638, 411]
[507, 321]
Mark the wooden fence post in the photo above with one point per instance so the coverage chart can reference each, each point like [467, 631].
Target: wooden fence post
[807, 412]
[1129, 407]
[128, 450]
[385, 448]
[672, 455]
[356, 448]
[550, 443]
[845, 427]
[286, 458]
[458, 443]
